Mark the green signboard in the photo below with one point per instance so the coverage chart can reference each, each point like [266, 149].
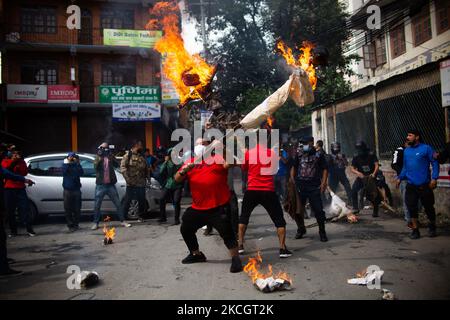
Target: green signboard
[129, 94]
[131, 38]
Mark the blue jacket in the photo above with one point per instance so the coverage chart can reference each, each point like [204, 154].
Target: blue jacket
[416, 165]
[71, 176]
[10, 175]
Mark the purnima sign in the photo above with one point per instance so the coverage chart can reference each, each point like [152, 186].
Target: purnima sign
[129, 94]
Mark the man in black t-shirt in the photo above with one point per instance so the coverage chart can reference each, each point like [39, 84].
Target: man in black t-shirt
[365, 166]
[310, 173]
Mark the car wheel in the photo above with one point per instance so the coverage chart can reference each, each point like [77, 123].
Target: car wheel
[34, 214]
[133, 210]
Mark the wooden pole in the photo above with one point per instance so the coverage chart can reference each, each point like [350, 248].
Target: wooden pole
[149, 136]
[74, 132]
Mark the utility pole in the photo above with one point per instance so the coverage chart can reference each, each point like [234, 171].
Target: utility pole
[203, 27]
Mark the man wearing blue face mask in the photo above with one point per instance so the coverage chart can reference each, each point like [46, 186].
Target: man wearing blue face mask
[310, 174]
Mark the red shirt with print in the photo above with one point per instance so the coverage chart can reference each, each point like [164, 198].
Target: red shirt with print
[259, 175]
[208, 183]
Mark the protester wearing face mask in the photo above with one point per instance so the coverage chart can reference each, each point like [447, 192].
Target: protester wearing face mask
[417, 159]
[338, 163]
[106, 184]
[310, 174]
[134, 169]
[365, 166]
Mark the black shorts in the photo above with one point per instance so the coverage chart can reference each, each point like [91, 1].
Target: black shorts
[269, 200]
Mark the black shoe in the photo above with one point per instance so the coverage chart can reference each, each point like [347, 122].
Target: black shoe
[300, 234]
[11, 261]
[432, 231]
[10, 273]
[194, 258]
[31, 232]
[241, 249]
[176, 222]
[72, 229]
[236, 265]
[285, 253]
[323, 236]
[415, 234]
[162, 220]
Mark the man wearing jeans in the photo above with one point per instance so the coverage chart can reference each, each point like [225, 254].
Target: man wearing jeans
[134, 170]
[106, 184]
[72, 171]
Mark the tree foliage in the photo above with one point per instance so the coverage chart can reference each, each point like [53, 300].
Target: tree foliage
[243, 35]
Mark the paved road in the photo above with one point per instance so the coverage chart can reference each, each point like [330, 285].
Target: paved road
[144, 262]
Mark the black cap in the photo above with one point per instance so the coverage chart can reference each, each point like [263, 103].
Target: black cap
[307, 139]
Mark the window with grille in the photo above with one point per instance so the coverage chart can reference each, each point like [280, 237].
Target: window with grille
[117, 19]
[118, 74]
[421, 27]
[442, 15]
[369, 56]
[380, 50]
[398, 44]
[38, 20]
[39, 72]
[375, 53]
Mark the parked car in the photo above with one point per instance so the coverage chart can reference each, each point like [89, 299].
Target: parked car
[46, 196]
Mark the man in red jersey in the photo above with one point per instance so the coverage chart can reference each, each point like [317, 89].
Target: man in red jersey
[261, 191]
[210, 206]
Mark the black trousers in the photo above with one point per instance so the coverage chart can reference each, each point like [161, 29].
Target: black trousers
[357, 186]
[314, 196]
[17, 199]
[72, 207]
[426, 196]
[3, 252]
[339, 176]
[218, 218]
[175, 196]
[134, 193]
[269, 200]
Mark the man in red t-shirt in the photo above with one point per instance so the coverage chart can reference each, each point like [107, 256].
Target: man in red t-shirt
[210, 205]
[261, 191]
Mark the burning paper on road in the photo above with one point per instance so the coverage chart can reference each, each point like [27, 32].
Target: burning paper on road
[367, 276]
[266, 282]
[109, 233]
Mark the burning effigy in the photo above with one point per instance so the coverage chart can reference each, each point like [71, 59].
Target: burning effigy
[266, 282]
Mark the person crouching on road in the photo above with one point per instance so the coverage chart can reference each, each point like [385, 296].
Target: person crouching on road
[134, 169]
[72, 171]
[106, 184]
[416, 170]
[210, 205]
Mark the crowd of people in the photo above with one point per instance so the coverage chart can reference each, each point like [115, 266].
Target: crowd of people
[306, 171]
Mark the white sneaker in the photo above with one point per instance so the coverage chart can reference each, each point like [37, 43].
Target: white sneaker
[126, 224]
[94, 226]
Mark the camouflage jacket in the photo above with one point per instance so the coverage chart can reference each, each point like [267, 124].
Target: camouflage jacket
[134, 169]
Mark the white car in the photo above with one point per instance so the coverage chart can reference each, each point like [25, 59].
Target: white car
[46, 196]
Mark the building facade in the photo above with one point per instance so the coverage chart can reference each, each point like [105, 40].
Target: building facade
[112, 49]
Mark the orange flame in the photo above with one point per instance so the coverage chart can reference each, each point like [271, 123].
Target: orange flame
[270, 121]
[252, 268]
[109, 233]
[178, 62]
[304, 61]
